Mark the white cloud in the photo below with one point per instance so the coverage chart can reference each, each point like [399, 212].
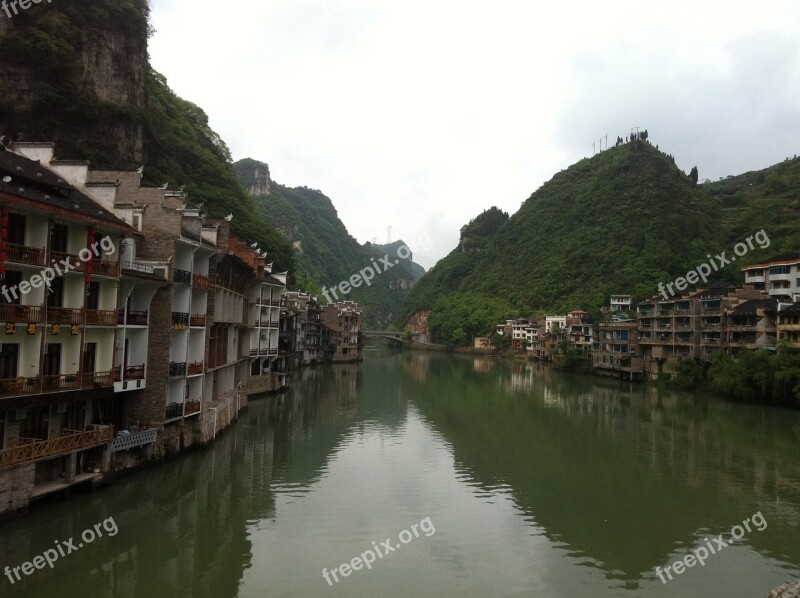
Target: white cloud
[419, 115]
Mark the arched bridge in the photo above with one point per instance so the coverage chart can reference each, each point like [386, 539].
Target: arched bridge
[393, 335]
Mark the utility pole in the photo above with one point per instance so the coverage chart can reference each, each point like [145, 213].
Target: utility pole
[593, 144]
[606, 140]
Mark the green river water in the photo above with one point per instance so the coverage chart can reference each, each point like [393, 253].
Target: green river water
[521, 480]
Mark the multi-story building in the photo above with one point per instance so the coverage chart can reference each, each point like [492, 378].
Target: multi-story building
[268, 369]
[621, 303]
[341, 328]
[779, 277]
[751, 325]
[303, 334]
[579, 329]
[554, 324]
[616, 349]
[60, 270]
[789, 325]
[690, 326]
[313, 332]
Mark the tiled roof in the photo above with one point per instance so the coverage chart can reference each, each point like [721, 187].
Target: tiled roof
[29, 180]
[750, 308]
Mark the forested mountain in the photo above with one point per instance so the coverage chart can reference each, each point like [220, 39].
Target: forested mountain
[326, 253]
[620, 222]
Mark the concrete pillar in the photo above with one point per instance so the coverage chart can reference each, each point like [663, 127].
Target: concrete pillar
[70, 467]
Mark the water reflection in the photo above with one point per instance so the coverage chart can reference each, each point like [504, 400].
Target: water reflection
[539, 483]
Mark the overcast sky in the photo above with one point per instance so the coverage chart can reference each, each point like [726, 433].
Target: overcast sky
[420, 114]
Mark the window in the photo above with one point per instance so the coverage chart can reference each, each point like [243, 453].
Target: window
[90, 357]
[93, 296]
[58, 238]
[16, 229]
[55, 294]
[779, 270]
[11, 281]
[52, 359]
[9, 359]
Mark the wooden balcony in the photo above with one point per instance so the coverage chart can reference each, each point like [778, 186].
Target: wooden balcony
[201, 281]
[21, 254]
[137, 318]
[27, 450]
[61, 382]
[132, 372]
[99, 317]
[105, 268]
[12, 387]
[97, 379]
[191, 408]
[29, 314]
[73, 260]
[197, 320]
[194, 368]
[65, 315]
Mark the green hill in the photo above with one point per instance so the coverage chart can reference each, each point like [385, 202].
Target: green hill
[619, 222]
[326, 253]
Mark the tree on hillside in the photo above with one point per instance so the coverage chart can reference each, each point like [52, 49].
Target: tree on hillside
[693, 175]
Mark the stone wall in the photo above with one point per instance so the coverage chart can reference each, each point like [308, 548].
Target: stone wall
[16, 485]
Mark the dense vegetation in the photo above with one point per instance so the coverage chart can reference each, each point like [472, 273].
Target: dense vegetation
[326, 253]
[619, 222]
[752, 376]
[181, 149]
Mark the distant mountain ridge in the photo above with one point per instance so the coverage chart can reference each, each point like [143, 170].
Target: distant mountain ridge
[325, 251]
[619, 222]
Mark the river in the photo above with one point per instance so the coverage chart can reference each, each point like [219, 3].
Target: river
[487, 478]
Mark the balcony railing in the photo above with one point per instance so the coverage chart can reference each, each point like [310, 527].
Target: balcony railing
[25, 255]
[96, 380]
[194, 368]
[61, 382]
[137, 318]
[19, 386]
[21, 313]
[177, 368]
[201, 281]
[192, 407]
[180, 319]
[101, 317]
[182, 276]
[33, 449]
[173, 411]
[76, 263]
[124, 442]
[197, 320]
[134, 372]
[64, 315]
[105, 268]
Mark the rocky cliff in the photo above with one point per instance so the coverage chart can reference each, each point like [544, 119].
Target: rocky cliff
[74, 73]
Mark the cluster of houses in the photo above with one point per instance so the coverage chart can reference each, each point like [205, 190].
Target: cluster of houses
[539, 336]
[646, 340]
[660, 332]
[132, 326]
